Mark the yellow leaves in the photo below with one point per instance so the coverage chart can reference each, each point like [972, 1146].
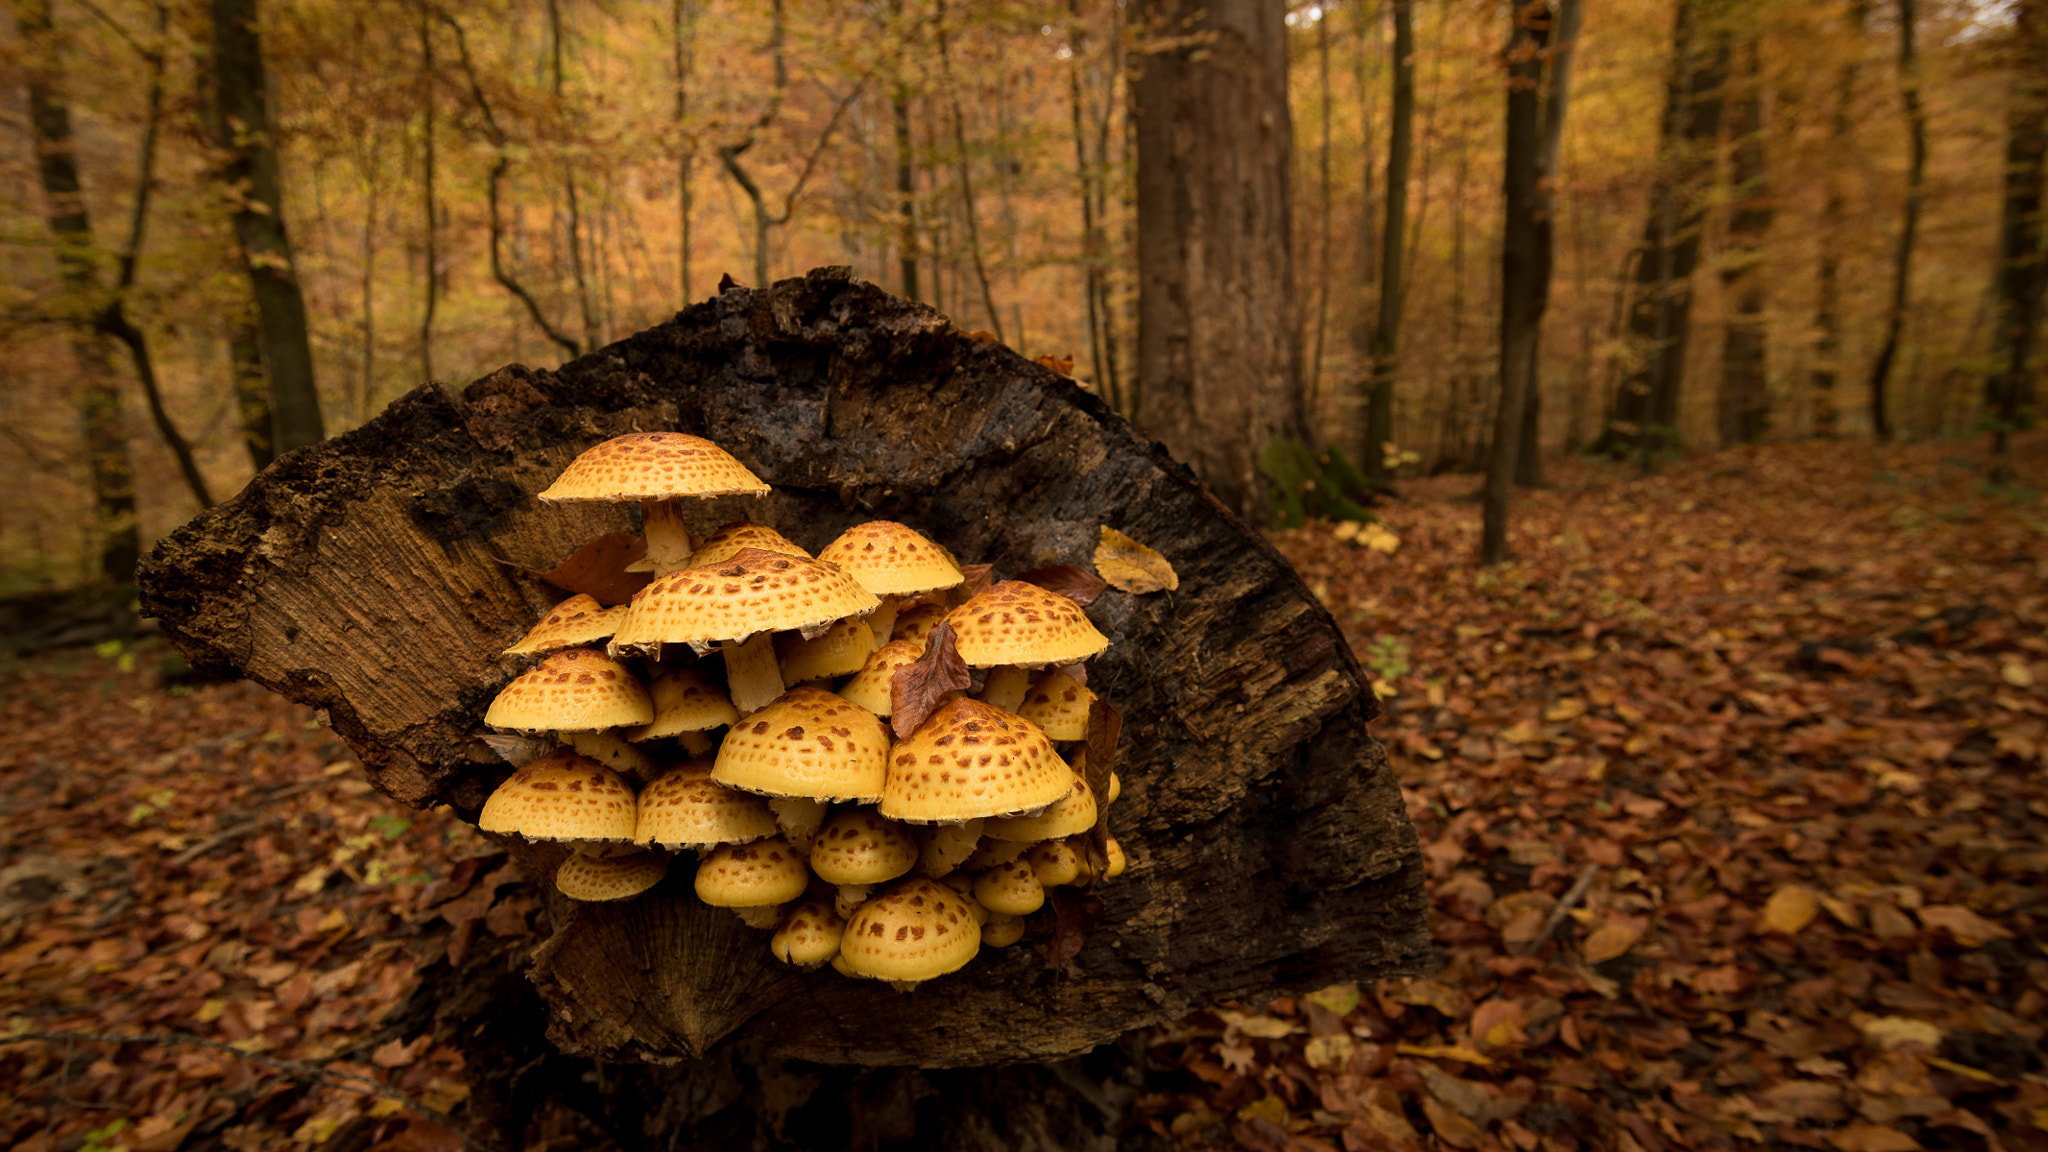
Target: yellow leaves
[1611, 940]
[1337, 999]
[1129, 566]
[1271, 1109]
[1969, 929]
[1889, 1032]
[2015, 672]
[1872, 1138]
[1790, 909]
[210, 1011]
[1568, 708]
[1375, 536]
[1328, 1053]
[1458, 1052]
[1261, 1026]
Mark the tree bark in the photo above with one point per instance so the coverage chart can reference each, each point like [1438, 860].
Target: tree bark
[2022, 272]
[1563, 36]
[429, 212]
[253, 180]
[1909, 224]
[1217, 356]
[1384, 349]
[906, 169]
[1521, 268]
[1743, 404]
[683, 44]
[1269, 848]
[1827, 311]
[99, 396]
[252, 386]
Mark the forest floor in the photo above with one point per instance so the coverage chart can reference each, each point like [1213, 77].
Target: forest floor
[1733, 791]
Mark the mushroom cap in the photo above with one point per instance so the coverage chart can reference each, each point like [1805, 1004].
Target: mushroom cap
[752, 875]
[1116, 860]
[917, 621]
[809, 935]
[859, 847]
[1075, 812]
[610, 878]
[687, 808]
[840, 650]
[561, 796]
[576, 621]
[734, 538]
[755, 591]
[807, 742]
[1011, 889]
[871, 687]
[915, 930]
[684, 702]
[654, 466]
[891, 560]
[1002, 931]
[1055, 862]
[1058, 704]
[575, 690]
[970, 760]
[1013, 622]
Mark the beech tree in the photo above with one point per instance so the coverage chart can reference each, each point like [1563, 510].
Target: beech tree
[2023, 249]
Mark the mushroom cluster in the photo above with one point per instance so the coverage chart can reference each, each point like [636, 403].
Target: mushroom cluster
[736, 707]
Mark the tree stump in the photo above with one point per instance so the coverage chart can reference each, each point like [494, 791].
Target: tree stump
[377, 575]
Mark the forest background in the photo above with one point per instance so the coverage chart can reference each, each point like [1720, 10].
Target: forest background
[473, 182]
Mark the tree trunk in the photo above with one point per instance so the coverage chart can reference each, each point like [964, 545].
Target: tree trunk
[1521, 268]
[1556, 99]
[683, 45]
[252, 387]
[1383, 350]
[1217, 356]
[1827, 311]
[1743, 405]
[251, 174]
[2022, 247]
[1268, 844]
[1909, 224]
[1645, 413]
[429, 213]
[99, 395]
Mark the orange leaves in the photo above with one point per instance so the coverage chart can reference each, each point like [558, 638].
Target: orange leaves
[918, 688]
[1129, 566]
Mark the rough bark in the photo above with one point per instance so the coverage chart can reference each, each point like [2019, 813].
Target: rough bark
[2022, 273]
[1269, 848]
[1383, 349]
[1217, 358]
[252, 178]
[1827, 310]
[1557, 87]
[1909, 223]
[1523, 267]
[1743, 404]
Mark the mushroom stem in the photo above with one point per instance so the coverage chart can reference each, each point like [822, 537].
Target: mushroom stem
[883, 619]
[697, 744]
[614, 753]
[1005, 687]
[668, 538]
[760, 915]
[752, 677]
[946, 845]
[799, 818]
[849, 897]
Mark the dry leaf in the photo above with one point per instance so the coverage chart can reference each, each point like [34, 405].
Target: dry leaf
[1456, 1052]
[598, 569]
[1074, 913]
[1872, 1138]
[1129, 566]
[1889, 1032]
[1075, 583]
[978, 578]
[918, 688]
[1611, 940]
[1969, 929]
[1790, 909]
[1064, 365]
[2016, 673]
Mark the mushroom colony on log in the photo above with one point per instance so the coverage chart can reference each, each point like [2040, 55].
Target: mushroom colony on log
[861, 804]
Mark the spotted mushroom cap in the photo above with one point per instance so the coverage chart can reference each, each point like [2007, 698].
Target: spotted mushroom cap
[610, 878]
[734, 538]
[1012, 889]
[840, 650]
[1058, 703]
[891, 560]
[562, 796]
[752, 875]
[576, 621]
[915, 930]
[967, 760]
[1073, 813]
[917, 621]
[808, 742]
[871, 686]
[755, 591]
[576, 690]
[1013, 622]
[809, 935]
[859, 847]
[654, 466]
[686, 808]
[684, 702]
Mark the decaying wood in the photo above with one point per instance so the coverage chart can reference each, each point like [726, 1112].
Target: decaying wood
[378, 575]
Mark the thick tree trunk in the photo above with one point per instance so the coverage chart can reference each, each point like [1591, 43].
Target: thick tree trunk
[1269, 848]
[1217, 357]
[1909, 224]
[1521, 269]
[99, 396]
[251, 174]
[2023, 246]
[1383, 349]
[1743, 404]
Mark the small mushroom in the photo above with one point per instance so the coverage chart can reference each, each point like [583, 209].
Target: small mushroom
[573, 623]
[610, 878]
[1055, 862]
[575, 690]
[893, 562]
[809, 743]
[657, 469]
[860, 847]
[1014, 625]
[1116, 860]
[686, 808]
[1058, 705]
[755, 876]
[914, 931]
[564, 796]
[608, 749]
[873, 686]
[967, 760]
[688, 708]
[840, 651]
[809, 935]
[917, 621]
[1002, 931]
[1012, 889]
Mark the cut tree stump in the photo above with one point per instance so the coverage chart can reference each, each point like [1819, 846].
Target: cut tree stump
[377, 575]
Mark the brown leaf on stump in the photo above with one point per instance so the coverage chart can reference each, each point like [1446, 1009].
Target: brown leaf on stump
[1074, 912]
[1064, 365]
[599, 569]
[1098, 760]
[978, 578]
[1075, 583]
[918, 688]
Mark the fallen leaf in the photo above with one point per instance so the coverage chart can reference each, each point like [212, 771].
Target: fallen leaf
[1611, 940]
[1790, 909]
[1450, 1127]
[1456, 1052]
[1969, 929]
[1075, 583]
[1064, 365]
[598, 569]
[1328, 1053]
[919, 687]
[1129, 566]
[2016, 673]
[1261, 1026]
[976, 579]
[1889, 1032]
[1074, 912]
[1872, 1138]
[1337, 999]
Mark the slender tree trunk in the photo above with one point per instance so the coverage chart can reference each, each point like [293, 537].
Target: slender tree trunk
[252, 175]
[1743, 404]
[99, 396]
[1091, 238]
[593, 332]
[1827, 312]
[1365, 262]
[252, 388]
[683, 21]
[2022, 273]
[1521, 316]
[427, 206]
[1216, 332]
[969, 212]
[1909, 225]
[1556, 99]
[1384, 349]
[1313, 377]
